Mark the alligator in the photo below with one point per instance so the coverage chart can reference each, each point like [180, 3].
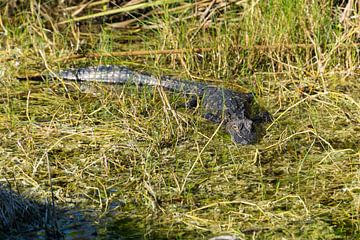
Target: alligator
[219, 105]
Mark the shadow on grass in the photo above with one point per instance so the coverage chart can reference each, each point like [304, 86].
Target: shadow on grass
[21, 218]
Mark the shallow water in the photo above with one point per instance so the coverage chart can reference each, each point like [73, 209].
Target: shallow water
[76, 225]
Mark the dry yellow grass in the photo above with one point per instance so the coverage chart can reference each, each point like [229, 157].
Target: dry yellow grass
[128, 151]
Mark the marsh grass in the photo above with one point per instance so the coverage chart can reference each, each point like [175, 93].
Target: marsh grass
[18, 213]
[177, 173]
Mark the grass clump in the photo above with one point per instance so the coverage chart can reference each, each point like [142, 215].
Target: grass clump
[128, 151]
[16, 212]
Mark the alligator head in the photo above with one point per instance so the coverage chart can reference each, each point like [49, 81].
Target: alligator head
[242, 131]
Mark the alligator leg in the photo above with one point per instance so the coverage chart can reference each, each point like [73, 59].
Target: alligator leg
[263, 117]
[191, 103]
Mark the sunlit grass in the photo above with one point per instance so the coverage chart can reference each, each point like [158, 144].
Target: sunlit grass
[173, 169]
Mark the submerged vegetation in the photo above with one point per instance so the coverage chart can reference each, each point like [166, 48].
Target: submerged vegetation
[130, 154]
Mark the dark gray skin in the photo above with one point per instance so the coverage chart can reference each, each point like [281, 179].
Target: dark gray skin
[217, 104]
[232, 108]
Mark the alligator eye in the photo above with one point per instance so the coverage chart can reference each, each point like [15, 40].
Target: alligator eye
[235, 127]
